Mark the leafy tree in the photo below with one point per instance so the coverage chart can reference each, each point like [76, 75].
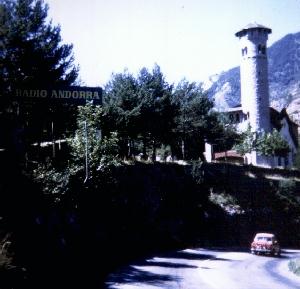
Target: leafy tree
[247, 142]
[224, 134]
[32, 54]
[267, 144]
[196, 121]
[92, 155]
[122, 110]
[157, 109]
[272, 144]
[89, 144]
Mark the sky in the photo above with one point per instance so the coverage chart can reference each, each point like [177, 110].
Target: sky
[192, 39]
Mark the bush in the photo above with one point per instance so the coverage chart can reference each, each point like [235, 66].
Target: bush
[294, 266]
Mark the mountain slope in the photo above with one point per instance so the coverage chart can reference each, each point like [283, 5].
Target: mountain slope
[284, 79]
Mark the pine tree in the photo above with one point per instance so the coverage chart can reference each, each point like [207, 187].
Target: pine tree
[32, 56]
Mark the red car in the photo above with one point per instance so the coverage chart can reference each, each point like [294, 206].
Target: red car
[265, 243]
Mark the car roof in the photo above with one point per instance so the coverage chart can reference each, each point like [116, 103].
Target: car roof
[264, 235]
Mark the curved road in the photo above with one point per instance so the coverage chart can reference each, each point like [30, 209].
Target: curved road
[208, 269]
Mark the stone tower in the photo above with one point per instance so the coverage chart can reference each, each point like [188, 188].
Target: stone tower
[254, 76]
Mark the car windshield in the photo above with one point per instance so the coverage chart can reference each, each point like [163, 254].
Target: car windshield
[264, 239]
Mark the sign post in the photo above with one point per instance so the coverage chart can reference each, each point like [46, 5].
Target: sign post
[86, 153]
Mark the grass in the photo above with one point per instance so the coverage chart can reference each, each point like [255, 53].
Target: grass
[294, 266]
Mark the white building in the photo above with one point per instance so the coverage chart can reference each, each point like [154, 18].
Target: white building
[255, 109]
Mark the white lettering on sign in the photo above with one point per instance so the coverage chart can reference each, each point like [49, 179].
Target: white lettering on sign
[31, 93]
[75, 94]
[84, 94]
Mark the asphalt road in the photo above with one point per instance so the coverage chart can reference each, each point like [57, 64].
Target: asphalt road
[208, 269]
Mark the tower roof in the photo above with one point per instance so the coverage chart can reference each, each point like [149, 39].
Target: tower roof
[253, 26]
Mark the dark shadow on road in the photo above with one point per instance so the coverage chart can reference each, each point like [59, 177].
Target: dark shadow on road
[169, 265]
[230, 249]
[193, 256]
[176, 260]
[187, 255]
[133, 275]
[222, 259]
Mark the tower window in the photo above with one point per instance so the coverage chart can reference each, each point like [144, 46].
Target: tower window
[237, 118]
[244, 51]
[261, 49]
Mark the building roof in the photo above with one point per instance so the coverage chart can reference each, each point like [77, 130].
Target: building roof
[276, 118]
[251, 26]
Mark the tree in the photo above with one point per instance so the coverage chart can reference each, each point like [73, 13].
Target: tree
[272, 144]
[224, 134]
[196, 121]
[32, 56]
[88, 146]
[122, 110]
[267, 144]
[157, 109]
[247, 142]
[32, 52]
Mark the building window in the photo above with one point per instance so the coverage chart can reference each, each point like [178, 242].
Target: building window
[237, 117]
[286, 161]
[279, 161]
[244, 51]
[261, 49]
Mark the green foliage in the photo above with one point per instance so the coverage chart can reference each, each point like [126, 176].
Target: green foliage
[294, 266]
[88, 135]
[157, 109]
[32, 54]
[287, 195]
[53, 182]
[101, 151]
[224, 133]
[122, 110]
[272, 144]
[195, 120]
[267, 144]
[247, 142]
[198, 172]
[88, 146]
[149, 114]
[227, 202]
[140, 110]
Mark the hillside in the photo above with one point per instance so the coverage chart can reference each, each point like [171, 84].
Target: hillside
[284, 79]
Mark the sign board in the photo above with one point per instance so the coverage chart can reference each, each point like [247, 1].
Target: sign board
[72, 94]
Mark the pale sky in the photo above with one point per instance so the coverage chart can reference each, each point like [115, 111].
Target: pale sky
[186, 38]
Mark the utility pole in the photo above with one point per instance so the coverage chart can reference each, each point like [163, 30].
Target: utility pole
[53, 139]
[86, 153]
